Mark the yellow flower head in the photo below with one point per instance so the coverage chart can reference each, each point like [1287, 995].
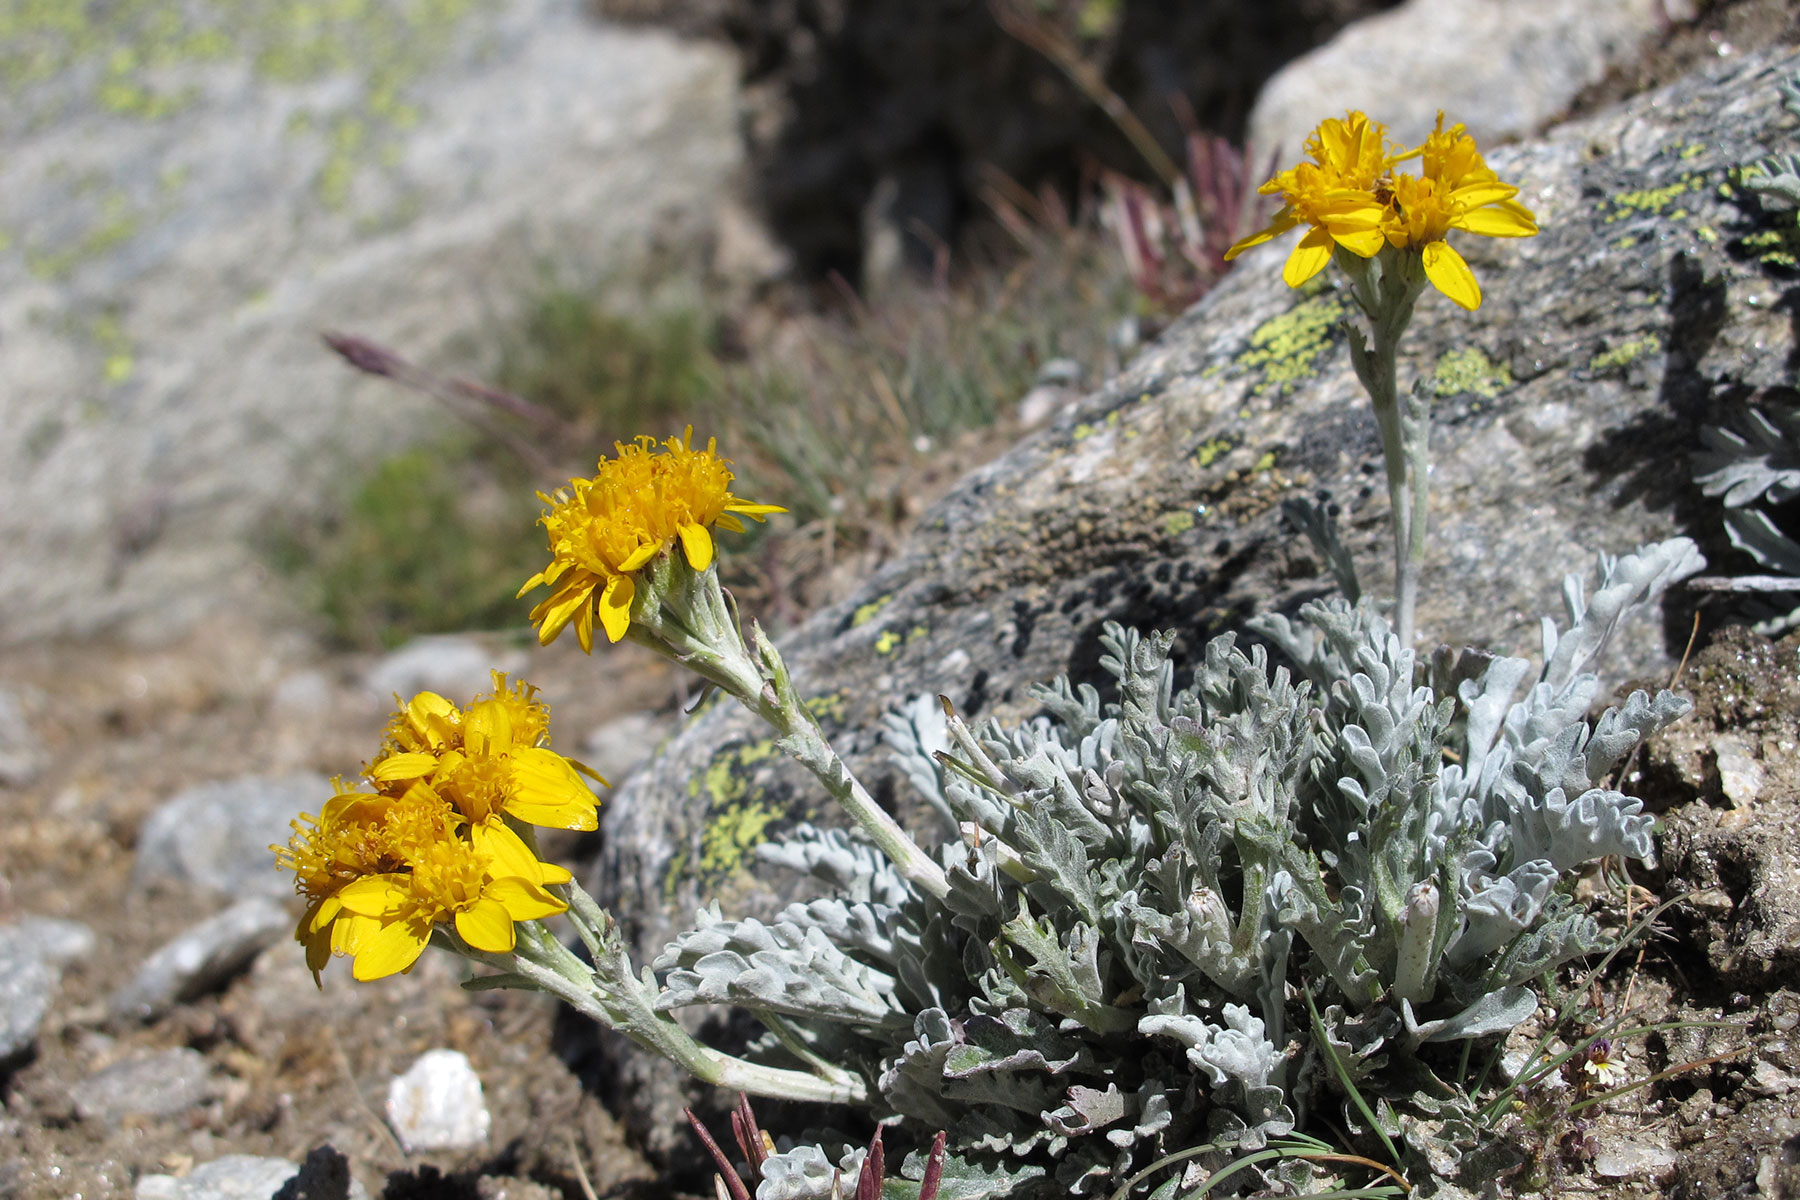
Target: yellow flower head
[1352, 197]
[605, 529]
[431, 844]
[482, 886]
[489, 760]
[1334, 194]
[1455, 190]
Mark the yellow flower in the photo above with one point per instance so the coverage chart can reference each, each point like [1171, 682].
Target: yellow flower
[488, 760]
[1334, 194]
[431, 844]
[1455, 190]
[482, 886]
[603, 530]
[354, 836]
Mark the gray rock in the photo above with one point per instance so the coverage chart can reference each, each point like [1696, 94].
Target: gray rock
[453, 666]
[177, 232]
[202, 958]
[27, 986]
[302, 697]
[1503, 69]
[158, 1083]
[1157, 503]
[33, 951]
[22, 756]
[437, 1104]
[237, 1177]
[620, 746]
[55, 940]
[217, 835]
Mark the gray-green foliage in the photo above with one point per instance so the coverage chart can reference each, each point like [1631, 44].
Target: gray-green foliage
[1753, 463]
[1141, 889]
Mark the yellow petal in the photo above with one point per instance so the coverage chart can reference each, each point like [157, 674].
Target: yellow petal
[755, 510]
[1308, 259]
[1364, 243]
[543, 789]
[615, 606]
[394, 949]
[1451, 275]
[397, 767]
[584, 628]
[375, 895]
[640, 556]
[486, 925]
[1283, 222]
[488, 728]
[1487, 191]
[549, 873]
[524, 900]
[554, 614]
[699, 545]
[506, 851]
[1499, 220]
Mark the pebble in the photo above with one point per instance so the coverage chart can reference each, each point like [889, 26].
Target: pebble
[437, 1104]
[33, 951]
[217, 835]
[202, 958]
[158, 1083]
[324, 1176]
[22, 755]
[55, 940]
[27, 985]
[457, 668]
[1617, 1159]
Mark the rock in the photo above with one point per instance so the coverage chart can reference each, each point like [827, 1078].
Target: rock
[620, 746]
[437, 1104]
[1502, 69]
[202, 958]
[248, 1177]
[27, 985]
[55, 940]
[1157, 503]
[452, 666]
[22, 756]
[158, 1083]
[217, 835]
[1740, 747]
[186, 204]
[495, 1187]
[33, 951]
[1616, 1159]
[302, 698]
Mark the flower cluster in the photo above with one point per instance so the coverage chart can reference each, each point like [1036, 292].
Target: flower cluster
[434, 843]
[605, 529]
[1352, 196]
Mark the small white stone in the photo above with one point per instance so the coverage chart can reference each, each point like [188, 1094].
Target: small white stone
[437, 1105]
[1740, 775]
[1620, 1159]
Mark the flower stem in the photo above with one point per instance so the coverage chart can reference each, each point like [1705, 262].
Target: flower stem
[611, 993]
[1386, 288]
[696, 625]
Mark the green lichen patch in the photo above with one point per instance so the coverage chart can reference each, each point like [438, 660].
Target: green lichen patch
[867, 612]
[1469, 371]
[1286, 349]
[1626, 352]
[1178, 522]
[1653, 201]
[731, 834]
[1211, 451]
[888, 642]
